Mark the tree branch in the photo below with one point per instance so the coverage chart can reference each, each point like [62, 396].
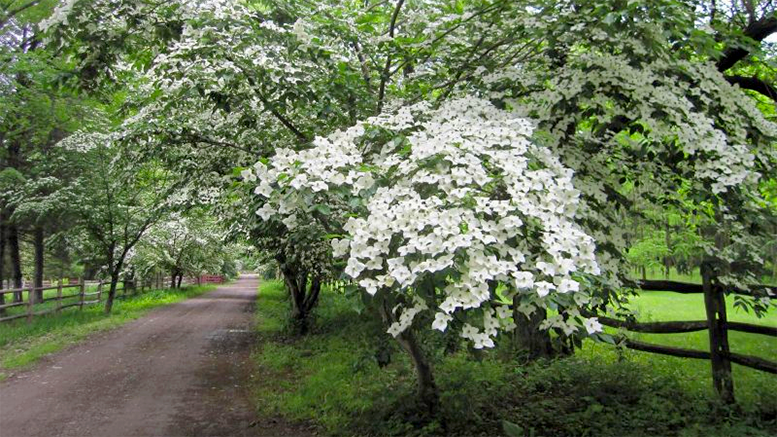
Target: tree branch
[13, 12]
[364, 67]
[199, 138]
[757, 30]
[385, 75]
[285, 121]
[754, 84]
[472, 16]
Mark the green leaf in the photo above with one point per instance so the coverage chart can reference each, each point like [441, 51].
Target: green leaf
[512, 430]
[323, 209]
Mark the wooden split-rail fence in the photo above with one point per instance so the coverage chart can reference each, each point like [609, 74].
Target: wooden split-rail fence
[67, 296]
[716, 323]
[78, 294]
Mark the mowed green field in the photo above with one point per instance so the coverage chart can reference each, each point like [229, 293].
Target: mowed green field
[749, 385]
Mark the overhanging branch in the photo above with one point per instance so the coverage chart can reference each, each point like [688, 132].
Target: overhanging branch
[754, 84]
[757, 30]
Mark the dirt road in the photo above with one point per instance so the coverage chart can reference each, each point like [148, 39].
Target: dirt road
[181, 370]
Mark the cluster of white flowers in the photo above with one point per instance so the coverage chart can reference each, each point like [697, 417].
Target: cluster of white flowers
[715, 156]
[460, 191]
[83, 142]
[59, 17]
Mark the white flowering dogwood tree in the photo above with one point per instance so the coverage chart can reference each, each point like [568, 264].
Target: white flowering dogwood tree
[457, 212]
[460, 193]
[185, 243]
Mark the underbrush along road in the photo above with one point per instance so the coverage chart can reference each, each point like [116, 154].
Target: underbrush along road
[181, 370]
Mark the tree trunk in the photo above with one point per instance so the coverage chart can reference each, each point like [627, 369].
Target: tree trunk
[668, 242]
[16, 263]
[529, 338]
[111, 293]
[303, 297]
[774, 262]
[2, 263]
[115, 273]
[296, 285]
[173, 274]
[715, 305]
[180, 278]
[312, 295]
[428, 393]
[39, 254]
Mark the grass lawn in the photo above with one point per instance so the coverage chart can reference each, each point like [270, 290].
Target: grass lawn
[22, 344]
[331, 379]
[749, 385]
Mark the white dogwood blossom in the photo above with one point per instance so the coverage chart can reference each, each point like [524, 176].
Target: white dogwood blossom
[460, 193]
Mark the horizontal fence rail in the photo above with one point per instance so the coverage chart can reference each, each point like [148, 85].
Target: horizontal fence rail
[691, 288]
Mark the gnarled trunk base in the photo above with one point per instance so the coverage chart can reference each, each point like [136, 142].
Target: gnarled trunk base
[529, 338]
[303, 296]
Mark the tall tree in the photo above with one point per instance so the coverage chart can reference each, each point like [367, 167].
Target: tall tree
[36, 113]
[117, 199]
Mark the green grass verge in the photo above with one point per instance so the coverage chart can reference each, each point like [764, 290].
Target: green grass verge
[331, 378]
[327, 377]
[22, 344]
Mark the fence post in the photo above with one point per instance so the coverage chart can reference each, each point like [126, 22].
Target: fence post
[30, 303]
[715, 305]
[99, 292]
[82, 294]
[59, 296]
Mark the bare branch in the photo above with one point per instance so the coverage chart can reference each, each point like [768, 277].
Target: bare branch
[385, 75]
